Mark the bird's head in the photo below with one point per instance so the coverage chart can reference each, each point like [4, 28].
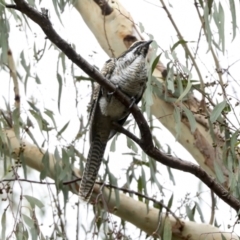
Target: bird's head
[136, 49]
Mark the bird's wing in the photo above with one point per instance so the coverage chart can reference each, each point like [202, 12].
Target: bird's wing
[98, 91]
[100, 127]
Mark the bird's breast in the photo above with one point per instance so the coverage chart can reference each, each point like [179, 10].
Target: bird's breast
[113, 108]
[130, 75]
[131, 79]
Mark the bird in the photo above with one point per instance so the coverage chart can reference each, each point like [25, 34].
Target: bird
[128, 73]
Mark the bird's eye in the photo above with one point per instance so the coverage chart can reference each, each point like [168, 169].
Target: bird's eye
[138, 51]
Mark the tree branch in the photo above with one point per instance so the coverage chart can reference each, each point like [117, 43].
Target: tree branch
[146, 142]
[129, 209]
[183, 165]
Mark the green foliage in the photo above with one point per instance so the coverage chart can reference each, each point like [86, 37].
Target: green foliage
[63, 135]
[217, 111]
[4, 34]
[167, 231]
[3, 223]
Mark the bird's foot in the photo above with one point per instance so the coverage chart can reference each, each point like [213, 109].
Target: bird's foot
[111, 93]
[133, 99]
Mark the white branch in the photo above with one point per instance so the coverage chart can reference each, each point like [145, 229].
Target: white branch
[128, 209]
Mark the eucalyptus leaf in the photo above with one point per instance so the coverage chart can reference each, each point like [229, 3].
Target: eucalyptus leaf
[63, 129]
[167, 230]
[34, 201]
[234, 18]
[113, 181]
[170, 201]
[3, 225]
[171, 176]
[223, 237]
[219, 172]
[45, 161]
[200, 212]
[56, 6]
[155, 62]
[191, 118]
[186, 91]
[177, 118]
[113, 145]
[50, 114]
[233, 143]
[141, 27]
[131, 145]
[190, 212]
[217, 111]
[207, 25]
[180, 42]
[27, 220]
[221, 26]
[60, 83]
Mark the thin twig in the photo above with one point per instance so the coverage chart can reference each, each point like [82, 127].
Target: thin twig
[105, 33]
[217, 64]
[184, 45]
[156, 202]
[211, 221]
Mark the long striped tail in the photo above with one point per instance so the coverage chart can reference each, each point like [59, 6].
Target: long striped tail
[93, 164]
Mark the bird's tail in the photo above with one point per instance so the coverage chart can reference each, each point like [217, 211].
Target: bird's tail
[93, 164]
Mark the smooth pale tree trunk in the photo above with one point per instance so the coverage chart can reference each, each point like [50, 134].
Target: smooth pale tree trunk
[114, 28]
[127, 208]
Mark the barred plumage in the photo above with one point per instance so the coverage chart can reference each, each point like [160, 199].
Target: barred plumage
[129, 73]
[91, 169]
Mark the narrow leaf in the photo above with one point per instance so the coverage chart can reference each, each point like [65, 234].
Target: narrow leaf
[27, 220]
[59, 78]
[45, 161]
[223, 237]
[217, 111]
[191, 118]
[182, 42]
[177, 118]
[221, 29]
[3, 223]
[155, 62]
[218, 172]
[63, 128]
[33, 201]
[113, 145]
[171, 176]
[234, 18]
[167, 231]
[186, 91]
[141, 27]
[170, 202]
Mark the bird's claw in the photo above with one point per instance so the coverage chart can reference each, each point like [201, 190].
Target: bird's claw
[132, 103]
[111, 93]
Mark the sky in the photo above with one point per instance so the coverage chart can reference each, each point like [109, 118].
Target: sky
[74, 30]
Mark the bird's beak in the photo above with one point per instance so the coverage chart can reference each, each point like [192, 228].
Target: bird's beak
[145, 47]
[148, 43]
